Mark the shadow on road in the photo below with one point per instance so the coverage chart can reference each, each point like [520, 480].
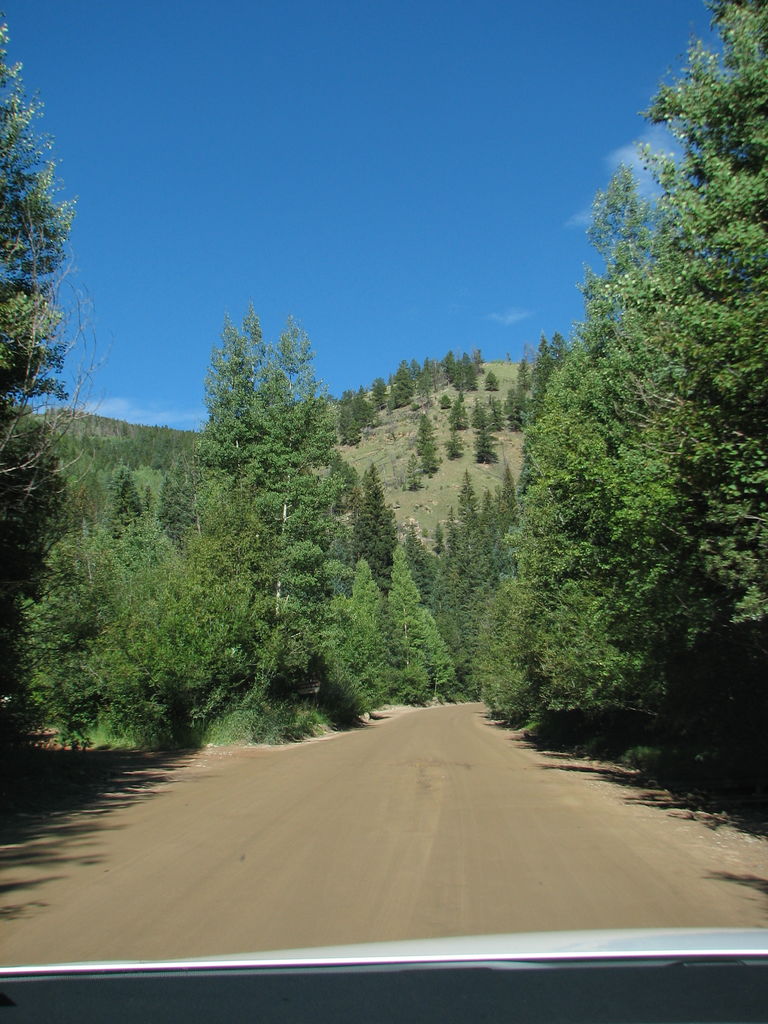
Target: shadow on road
[751, 881]
[54, 802]
[747, 813]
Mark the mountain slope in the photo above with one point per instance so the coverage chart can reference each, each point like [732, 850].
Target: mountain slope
[391, 443]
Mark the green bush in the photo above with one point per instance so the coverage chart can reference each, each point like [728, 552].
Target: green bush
[270, 722]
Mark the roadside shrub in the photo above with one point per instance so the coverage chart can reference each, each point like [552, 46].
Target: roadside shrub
[409, 685]
[269, 722]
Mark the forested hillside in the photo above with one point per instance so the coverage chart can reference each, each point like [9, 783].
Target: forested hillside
[94, 447]
[429, 424]
[306, 559]
[422, 448]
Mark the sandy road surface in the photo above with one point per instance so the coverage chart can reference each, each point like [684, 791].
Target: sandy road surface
[427, 823]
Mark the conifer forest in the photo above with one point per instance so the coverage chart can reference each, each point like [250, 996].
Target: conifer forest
[251, 582]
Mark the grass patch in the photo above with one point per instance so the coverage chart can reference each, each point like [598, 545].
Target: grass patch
[393, 441]
[279, 722]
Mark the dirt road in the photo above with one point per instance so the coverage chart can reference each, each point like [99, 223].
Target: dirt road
[426, 823]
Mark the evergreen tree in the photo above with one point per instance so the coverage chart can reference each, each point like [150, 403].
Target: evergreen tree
[425, 383]
[522, 389]
[465, 374]
[373, 527]
[491, 381]
[543, 369]
[463, 585]
[354, 414]
[485, 445]
[379, 393]
[426, 447]
[413, 473]
[506, 502]
[495, 414]
[559, 348]
[348, 426]
[454, 446]
[445, 402]
[433, 370]
[124, 502]
[402, 388]
[449, 366]
[513, 410]
[421, 563]
[458, 418]
[176, 507]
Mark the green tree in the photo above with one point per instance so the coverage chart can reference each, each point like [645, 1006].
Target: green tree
[348, 426]
[34, 226]
[230, 439]
[463, 584]
[454, 446]
[485, 445]
[423, 668]
[379, 393]
[458, 418]
[124, 502]
[449, 366]
[547, 358]
[491, 381]
[523, 388]
[413, 473]
[705, 304]
[401, 391]
[712, 270]
[268, 440]
[75, 605]
[495, 414]
[513, 410]
[465, 374]
[425, 383]
[426, 448]
[421, 562]
[374, 534]
[355, 646]
[176, 507]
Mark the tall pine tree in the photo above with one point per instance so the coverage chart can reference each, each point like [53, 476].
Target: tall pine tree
[374, 534]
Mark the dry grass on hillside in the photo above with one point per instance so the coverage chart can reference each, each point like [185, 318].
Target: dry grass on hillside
[393, 441]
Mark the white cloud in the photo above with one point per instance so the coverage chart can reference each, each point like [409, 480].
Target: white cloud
[148, 415]
[581, 219]
[509, 316]
[659, 139]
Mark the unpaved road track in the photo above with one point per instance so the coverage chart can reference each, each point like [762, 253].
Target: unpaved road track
[426, 823]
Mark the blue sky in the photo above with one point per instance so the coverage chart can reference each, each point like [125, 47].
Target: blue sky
[404, 178]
